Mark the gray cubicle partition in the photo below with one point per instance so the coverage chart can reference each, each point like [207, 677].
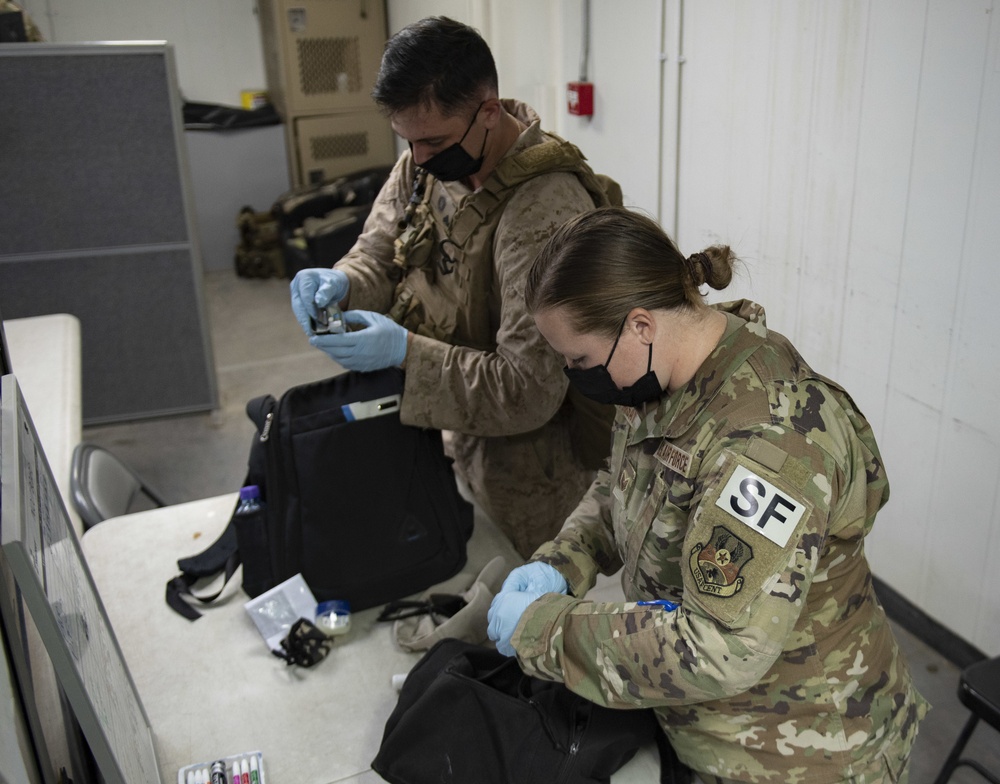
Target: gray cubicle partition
[96, 219]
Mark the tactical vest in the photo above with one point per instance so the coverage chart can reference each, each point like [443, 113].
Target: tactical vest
[447, 291]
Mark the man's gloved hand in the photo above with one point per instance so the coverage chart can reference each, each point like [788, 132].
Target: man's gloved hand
[505, 611]
[381, 344]
[316, 288]
[522, 586]
[535, 576]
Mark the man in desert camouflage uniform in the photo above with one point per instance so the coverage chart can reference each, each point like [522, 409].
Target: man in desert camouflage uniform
[743, 497]
[444, 253]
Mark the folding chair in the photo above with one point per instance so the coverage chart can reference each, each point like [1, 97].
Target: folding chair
[102, 486]
[979, 691]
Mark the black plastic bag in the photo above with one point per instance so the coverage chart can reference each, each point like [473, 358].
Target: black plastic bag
[215, 117]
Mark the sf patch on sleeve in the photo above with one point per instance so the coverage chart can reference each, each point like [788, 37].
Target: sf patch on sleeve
[757, 503]
[743, 535]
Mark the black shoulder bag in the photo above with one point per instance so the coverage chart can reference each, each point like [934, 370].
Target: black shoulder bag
[364, 507]
[467, 713]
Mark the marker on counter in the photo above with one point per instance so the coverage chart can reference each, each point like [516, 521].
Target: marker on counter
[245, 768]
[219, 772]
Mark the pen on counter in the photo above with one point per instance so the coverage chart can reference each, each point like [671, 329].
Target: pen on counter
[219, 772]
[666, 604]
[236, 771]
[254, 775]
[244, 772]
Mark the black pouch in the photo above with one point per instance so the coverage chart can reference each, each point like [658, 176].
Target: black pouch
[468, 713]
[304, 645]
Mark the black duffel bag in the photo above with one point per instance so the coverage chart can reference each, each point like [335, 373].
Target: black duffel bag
[320, 222]
[467, 713]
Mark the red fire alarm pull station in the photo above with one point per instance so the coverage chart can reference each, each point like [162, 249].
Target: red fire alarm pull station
[580, 98]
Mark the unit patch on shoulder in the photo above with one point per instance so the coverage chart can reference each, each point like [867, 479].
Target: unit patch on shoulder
[760, 505]
[716, 564]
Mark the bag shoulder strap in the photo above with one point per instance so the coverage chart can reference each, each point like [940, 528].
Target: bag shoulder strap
[220, 556]
[223, 554]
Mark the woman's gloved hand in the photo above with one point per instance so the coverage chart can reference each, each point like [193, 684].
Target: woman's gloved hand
[316, 288]
[504, 614]
[523, 585]
[536, 576]
[380, 344]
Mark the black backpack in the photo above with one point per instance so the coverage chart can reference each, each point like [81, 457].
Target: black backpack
[364, 507]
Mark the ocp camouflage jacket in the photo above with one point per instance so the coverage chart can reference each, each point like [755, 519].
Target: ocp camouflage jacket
[745, 496]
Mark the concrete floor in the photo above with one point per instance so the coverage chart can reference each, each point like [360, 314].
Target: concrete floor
[259, 348]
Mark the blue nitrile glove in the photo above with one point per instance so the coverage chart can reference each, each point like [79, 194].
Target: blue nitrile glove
[522, 586]
[536, 576]
[381, 344]
[504, 613]
[316, 288]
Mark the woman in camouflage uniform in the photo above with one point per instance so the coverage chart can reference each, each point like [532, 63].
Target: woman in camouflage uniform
[741, 487]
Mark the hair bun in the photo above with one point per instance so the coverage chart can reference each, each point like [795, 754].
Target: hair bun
[699, 267]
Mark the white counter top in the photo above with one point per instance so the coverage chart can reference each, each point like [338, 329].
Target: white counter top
[211, 688]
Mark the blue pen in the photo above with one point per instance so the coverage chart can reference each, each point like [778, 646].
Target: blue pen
[666, 604]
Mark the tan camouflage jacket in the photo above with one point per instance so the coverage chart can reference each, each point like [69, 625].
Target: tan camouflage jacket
[476, 364]
[745, 497]
[493, 374]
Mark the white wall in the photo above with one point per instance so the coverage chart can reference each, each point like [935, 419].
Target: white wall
[849, 151]
[216, 42]
[621, 139]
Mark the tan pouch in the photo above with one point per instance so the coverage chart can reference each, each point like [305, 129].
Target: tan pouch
[421, 632]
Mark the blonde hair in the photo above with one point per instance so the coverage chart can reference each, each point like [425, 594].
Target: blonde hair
[600, 265]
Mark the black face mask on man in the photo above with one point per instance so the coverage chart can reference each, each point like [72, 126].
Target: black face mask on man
[453, 162]
[597, 384]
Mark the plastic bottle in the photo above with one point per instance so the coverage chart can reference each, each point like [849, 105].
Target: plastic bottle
[249, 500]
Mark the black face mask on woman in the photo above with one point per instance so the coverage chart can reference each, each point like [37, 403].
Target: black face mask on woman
[597, 384]
[454, 163]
